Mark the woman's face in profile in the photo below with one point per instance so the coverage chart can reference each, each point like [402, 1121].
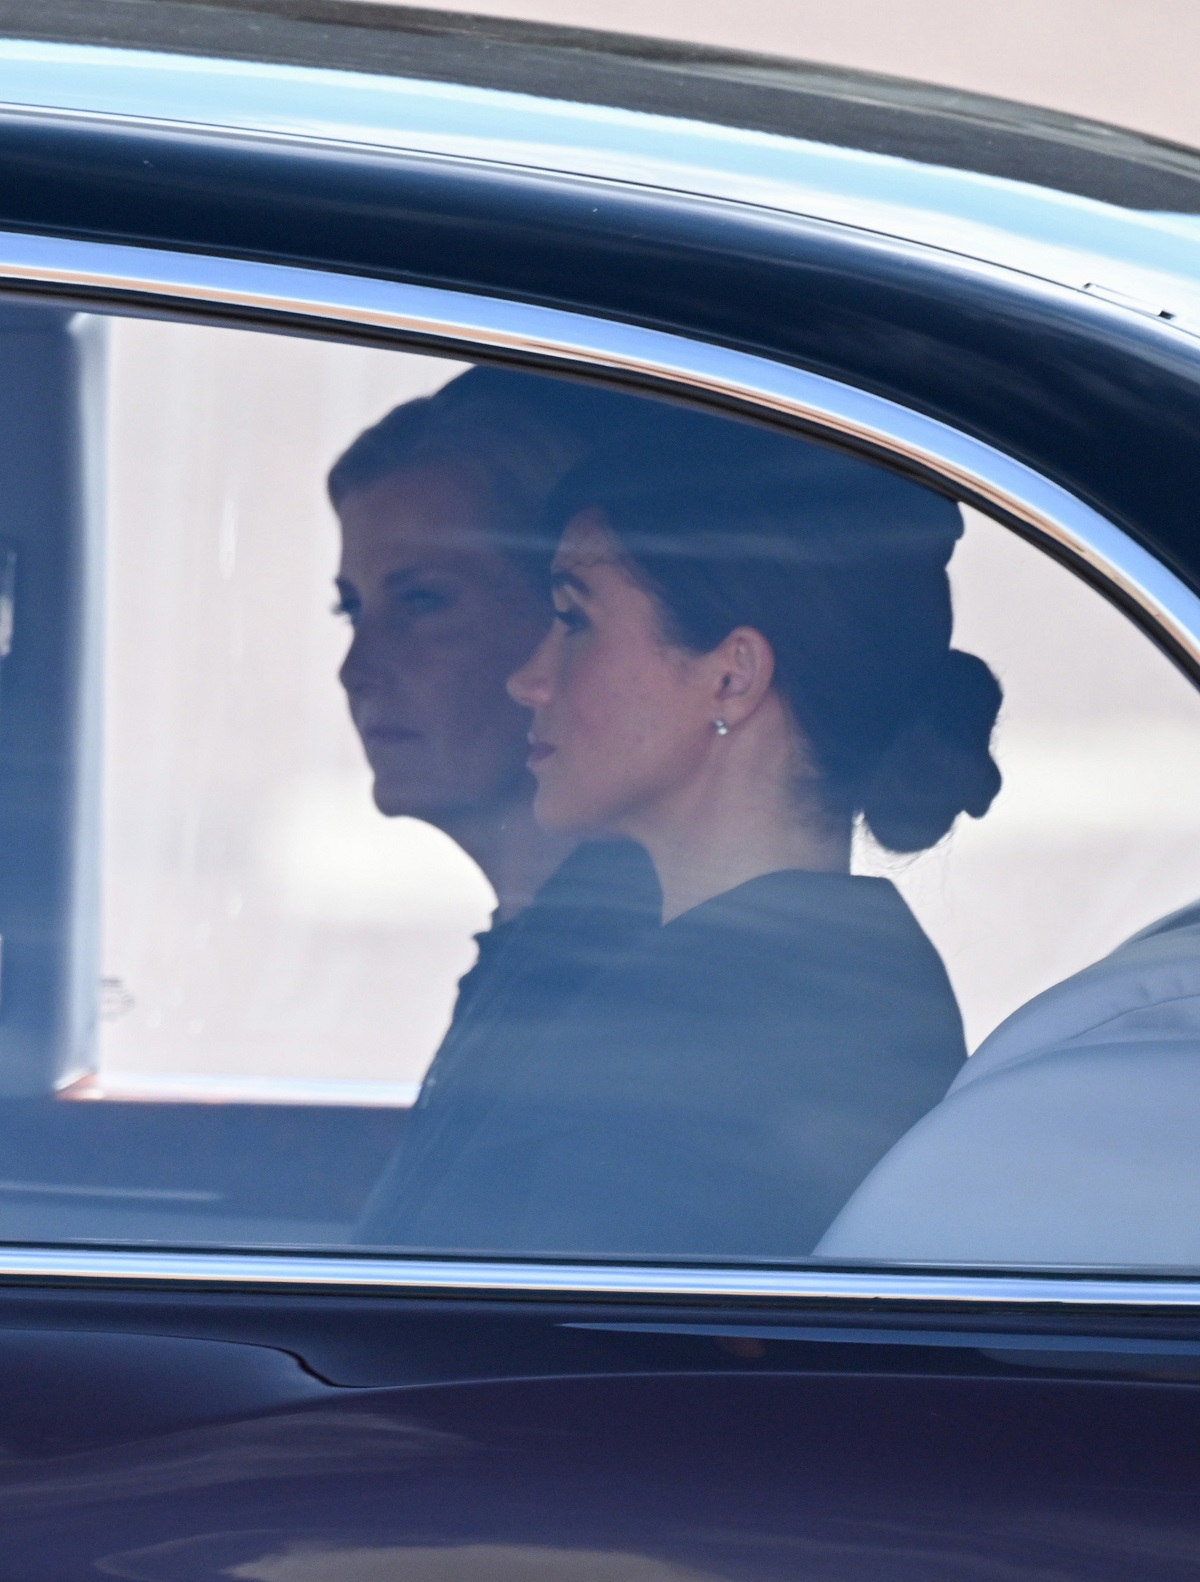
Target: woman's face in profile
[440, 618]
[622, 720]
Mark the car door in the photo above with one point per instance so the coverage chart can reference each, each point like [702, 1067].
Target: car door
[226, 973]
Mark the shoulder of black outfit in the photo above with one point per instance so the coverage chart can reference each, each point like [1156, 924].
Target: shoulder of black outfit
[720, 1089]
[753, 1062]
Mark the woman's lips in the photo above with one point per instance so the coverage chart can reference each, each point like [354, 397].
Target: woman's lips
[537, 752]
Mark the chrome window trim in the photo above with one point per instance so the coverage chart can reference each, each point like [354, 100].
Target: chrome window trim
[111, 274]
[449, 1276]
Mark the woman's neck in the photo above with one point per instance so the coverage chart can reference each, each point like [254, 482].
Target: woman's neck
[516, 856]
[694, 872]
[747, 814]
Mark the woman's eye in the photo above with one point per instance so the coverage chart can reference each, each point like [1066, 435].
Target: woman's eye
[572, 618]
[347, 608]
[423, 601]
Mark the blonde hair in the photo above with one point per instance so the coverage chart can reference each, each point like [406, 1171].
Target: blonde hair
[517, 433]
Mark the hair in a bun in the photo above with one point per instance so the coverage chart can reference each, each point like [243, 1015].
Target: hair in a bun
[939, 763]
[841, 565]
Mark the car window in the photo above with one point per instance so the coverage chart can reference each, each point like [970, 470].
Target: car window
[453, 808]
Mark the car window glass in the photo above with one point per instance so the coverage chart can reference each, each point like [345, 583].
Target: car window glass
[449, 808]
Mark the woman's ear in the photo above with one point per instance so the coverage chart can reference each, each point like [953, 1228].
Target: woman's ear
[744, 671]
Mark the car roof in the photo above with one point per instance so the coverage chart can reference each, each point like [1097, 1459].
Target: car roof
[1066, 200]
[755, 92]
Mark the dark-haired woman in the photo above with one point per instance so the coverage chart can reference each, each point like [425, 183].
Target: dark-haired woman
[751, 649]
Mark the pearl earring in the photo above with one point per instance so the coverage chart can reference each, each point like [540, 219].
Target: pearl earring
[720, 727]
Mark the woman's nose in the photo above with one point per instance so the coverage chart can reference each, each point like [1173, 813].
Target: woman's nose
[357, 673]
[531, 686]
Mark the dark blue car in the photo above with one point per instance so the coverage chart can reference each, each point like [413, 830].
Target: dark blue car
[660, 1040]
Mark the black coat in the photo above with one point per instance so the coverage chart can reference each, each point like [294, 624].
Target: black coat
[717, 1086]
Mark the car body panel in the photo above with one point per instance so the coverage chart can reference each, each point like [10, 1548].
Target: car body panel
[384, 1440]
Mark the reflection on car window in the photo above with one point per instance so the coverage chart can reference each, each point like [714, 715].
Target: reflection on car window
[626, 867]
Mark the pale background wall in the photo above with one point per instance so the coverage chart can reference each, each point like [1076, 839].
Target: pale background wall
[1132, 62]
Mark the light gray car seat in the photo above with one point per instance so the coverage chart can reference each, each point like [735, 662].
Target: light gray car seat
[1071, 1137]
